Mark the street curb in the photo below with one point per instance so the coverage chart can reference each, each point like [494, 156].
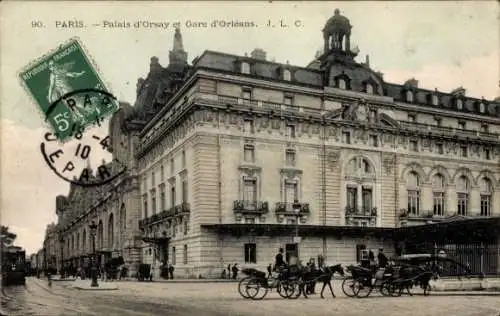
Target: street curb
[94, 289]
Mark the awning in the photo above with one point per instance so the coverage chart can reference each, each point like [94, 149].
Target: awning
[303, 230]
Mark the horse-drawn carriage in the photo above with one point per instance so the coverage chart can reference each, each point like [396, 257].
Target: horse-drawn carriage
[402, 274]
[290, 282]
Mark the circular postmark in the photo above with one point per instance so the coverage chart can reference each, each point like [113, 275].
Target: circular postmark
[72, 160]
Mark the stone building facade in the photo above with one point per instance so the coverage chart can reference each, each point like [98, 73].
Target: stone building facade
[248, 154]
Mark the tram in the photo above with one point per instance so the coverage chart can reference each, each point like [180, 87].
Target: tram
[13, 266]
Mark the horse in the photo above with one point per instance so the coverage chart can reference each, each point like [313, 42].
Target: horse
[320, 275]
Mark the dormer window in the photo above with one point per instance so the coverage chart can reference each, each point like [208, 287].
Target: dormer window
[369, 88]
[245, 68]
[481, 107]
[460, 104]
[434, 99]
[341, 84]
[287, 75]
[409, 96]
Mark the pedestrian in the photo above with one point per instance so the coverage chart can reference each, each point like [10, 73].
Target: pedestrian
[171, 271]
[235, 271]
[278, 260]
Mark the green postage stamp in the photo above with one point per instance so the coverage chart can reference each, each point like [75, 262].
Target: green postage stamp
[68, 89]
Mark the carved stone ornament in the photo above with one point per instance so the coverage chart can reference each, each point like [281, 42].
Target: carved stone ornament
[356, 111]
[290, 173]
[388, 162]
[250, 171]
[276, 124]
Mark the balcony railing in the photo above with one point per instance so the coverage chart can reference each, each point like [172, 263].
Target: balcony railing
[364, 212]
[250, 207]
[178, 210]
[288, 208]
[446, 130]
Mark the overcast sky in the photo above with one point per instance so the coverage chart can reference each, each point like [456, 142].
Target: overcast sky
[442, 44]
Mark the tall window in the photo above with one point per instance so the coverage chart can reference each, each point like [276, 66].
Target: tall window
[291, 193]
[153, 201]
[346, 137]
[486, 192]
[172, 196]
[367, 199]
[248, 126]
[438, 189]
[185, 259]
[184, 190]
[172, 166]
[163, 202]
[463, 196]
[245, 68]
[174, 259]
[251, 253]
[435, 99]
[250, 191]
[290, 157]
[153, 179]
[249, 153]
[183, 159]
[145, 205]
[290, 131]
[352, 198]
[111, 231]
[460, 104]
[287, 75]
[78, 241]
[481, 107]
[413, 189]
[162, 173]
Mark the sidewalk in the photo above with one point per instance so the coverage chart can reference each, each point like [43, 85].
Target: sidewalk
[180, 280]
[85, 285]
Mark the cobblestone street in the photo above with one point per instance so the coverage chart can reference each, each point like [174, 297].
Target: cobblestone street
[133, 298]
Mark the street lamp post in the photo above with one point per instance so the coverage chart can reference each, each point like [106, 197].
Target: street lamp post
[296, 210]
[93, 269]
[61, 242]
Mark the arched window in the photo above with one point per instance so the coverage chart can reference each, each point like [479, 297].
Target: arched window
[123, 218]
[84, 240]
[460, 104]
[287, 75]
[463, 196]
[413, 189]
[409, 96]
[72, 242]
[438, 194]
[486, 192]
[111, 231]
[100, 235]
[341, 83]
[77, 241]
[369, 88]
[245, 68]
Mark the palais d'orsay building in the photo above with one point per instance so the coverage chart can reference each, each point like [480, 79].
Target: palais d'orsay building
[232, 157]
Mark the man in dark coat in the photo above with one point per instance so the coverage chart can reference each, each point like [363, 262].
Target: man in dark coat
[382, 259]
[279, 262]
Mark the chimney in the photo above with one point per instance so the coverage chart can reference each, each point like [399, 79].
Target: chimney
[412, 83]
[367, 61]
[258, 53]
[460, 91]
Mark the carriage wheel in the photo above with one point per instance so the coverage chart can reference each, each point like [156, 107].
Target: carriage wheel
[285, 289]
[385, 288]
[254, 287]
[395, 289]
[242, 287]
[361, 290]
[295, 289]
[348, 287]
[427, 289]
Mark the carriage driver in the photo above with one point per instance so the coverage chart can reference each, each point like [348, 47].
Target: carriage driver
[279, 262]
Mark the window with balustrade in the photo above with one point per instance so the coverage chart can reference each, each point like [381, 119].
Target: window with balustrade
[250, 191]
[438, 193]
[184, 190]
[413, 191]
[486, 191]
[360, 185]
[163, 198]
[172, 195]
[462, 195]
[153, 201]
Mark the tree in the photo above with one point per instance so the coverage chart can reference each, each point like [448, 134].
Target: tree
[7, 237]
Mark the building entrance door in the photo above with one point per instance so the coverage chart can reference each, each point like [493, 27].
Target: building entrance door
[291, 250]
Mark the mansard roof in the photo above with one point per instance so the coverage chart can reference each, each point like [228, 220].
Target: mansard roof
[358, 74]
